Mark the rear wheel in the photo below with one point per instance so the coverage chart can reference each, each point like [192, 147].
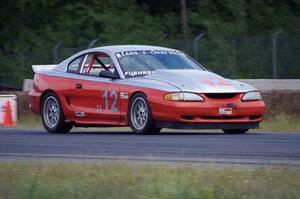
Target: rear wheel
[235, 131]
[53, 116]
[140, 116]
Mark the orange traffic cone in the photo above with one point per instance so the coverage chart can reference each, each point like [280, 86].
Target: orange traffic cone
[8, 121]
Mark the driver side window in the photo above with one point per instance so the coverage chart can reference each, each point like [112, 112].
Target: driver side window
[97, 62]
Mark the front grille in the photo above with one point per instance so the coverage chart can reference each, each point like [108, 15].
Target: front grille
[220, 95]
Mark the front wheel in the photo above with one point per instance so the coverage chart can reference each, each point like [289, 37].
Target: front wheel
[235, 131]
[53, 116]
[140, 116]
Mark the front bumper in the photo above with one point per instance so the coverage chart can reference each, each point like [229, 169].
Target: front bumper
[208, 111]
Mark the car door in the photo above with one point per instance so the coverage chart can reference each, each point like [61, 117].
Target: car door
[95, 100]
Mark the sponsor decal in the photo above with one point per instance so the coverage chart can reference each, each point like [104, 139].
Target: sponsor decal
[209, 82]
[138, 73]
[223, 83]
[123, 95]
[215, 82]
[148, 52]
[79, 114]
[225, 111]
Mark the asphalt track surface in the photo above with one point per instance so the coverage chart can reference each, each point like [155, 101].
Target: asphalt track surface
[258, 148]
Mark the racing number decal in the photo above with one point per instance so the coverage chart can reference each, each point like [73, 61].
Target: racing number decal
[113, 95]
[104, 96]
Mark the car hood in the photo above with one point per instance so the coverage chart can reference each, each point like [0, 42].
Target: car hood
[199, 81]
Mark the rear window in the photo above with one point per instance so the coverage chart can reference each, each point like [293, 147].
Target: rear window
[74, 65]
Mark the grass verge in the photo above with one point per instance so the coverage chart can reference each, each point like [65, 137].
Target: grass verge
[30, 121]
[281, 123]
[108, 180]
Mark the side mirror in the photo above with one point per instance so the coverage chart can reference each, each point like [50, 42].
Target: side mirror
[108, 74]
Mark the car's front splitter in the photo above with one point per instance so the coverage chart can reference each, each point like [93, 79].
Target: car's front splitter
[218, 125]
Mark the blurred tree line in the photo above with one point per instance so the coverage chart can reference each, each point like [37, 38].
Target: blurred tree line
[29, 29]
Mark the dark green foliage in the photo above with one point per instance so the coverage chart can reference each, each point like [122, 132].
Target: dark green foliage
[29, 30]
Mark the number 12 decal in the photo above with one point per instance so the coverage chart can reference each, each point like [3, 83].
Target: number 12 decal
[113, 95]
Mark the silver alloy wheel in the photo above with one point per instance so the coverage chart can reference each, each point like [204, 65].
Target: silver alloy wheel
[51, 112]
[139, 113]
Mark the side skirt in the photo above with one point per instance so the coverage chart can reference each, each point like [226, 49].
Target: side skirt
[96, 125]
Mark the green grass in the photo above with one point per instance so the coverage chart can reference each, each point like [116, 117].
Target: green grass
[87, 180]
[29, 121]
[281, 123]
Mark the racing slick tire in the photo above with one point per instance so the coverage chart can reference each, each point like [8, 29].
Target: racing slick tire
[140, 115]
[52, 115]
[235, 131]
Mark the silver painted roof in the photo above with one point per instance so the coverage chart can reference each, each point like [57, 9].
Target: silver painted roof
[122, 48]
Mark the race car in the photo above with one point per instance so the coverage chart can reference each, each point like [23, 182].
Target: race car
[145, 87]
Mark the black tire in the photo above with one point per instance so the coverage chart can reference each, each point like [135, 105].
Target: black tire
[235, 131]
[140, 118]
[53, 117]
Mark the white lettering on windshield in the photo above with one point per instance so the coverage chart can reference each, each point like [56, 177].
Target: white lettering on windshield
[148, 52]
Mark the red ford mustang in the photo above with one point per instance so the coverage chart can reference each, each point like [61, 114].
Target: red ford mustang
[145, 87]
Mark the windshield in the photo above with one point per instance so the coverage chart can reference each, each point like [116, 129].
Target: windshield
[140, 63]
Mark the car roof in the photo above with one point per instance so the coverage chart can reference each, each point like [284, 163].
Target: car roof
[122, 48]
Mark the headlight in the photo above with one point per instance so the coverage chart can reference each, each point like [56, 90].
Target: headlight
[174, 96]
[251, 96]
[182, 96]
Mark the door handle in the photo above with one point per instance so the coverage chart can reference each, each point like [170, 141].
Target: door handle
[79, 86]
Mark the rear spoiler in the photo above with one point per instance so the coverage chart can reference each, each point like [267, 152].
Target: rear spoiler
[40, 68]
